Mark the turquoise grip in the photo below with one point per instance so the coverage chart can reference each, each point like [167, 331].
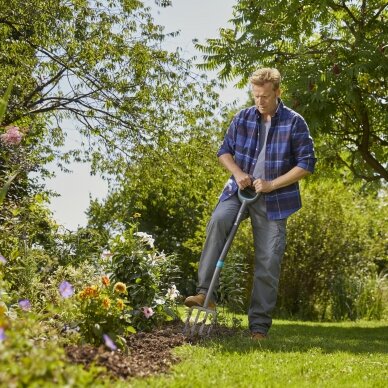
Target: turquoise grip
[220, 264]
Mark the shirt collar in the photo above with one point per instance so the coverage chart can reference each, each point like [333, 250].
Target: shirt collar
[280, 106]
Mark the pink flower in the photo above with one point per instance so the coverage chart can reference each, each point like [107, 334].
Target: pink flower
[108, 342]
[3, 260]
[147, 311]
[12, 136]
[2, 334]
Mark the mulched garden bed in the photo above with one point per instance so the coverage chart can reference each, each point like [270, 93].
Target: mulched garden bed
[149, 353]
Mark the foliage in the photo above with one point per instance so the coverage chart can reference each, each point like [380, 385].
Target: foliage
[101, 311]
[149, 277]
[329, 267]
[31, 355]
[333, 58]
[354, 297]
[35, 272]
[234, 287]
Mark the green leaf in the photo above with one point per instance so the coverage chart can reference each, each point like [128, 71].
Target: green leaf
[5, 188]
[4, 100]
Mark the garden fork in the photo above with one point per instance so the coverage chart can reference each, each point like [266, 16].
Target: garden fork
[201, 319]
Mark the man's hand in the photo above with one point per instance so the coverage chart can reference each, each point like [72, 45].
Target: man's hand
[243, 180]
[262, 186]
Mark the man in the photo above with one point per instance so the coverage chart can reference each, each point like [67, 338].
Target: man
[267, 146]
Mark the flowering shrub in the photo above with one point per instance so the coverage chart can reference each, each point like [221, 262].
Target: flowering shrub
[105, 313]
[148, 276]
[136, 293]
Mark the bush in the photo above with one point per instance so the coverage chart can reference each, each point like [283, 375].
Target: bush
[31, 355]
[149, 276]
[31, 347]
[329, 267]
[233, 288]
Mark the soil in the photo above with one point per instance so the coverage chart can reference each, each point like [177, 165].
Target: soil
[149, 352]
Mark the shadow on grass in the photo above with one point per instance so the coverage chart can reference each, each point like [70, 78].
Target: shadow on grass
[301, 337]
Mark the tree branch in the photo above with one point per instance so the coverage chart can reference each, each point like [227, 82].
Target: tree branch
[355, 172]
[377, 14]
[39, 88]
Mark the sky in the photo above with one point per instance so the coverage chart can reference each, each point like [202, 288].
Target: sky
[195, 19]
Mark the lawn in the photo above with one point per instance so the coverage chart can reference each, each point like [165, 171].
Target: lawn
[297, 354]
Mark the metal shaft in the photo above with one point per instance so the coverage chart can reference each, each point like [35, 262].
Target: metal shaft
[220, 262]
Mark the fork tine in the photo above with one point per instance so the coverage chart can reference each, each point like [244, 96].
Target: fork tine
[200, 322]
[187, 323]
[195, 323]
[202, 327]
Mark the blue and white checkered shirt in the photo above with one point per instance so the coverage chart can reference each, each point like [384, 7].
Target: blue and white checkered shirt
[289, 144]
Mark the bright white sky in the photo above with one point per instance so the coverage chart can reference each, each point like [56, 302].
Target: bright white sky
[198, 19]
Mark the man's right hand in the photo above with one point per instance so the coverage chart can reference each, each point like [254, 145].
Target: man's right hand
[243, 180]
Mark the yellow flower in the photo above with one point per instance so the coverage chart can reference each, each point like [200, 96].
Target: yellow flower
[136, 215]
[105, 280]
[89, 292]
[120, 288]
[120, 304]
[106, 302]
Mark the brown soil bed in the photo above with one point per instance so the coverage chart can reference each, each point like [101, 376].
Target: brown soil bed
[149, 353]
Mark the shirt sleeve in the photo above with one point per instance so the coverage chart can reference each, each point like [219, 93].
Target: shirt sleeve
[303, 146]
[228, 145]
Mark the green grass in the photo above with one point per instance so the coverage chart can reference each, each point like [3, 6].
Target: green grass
[298, 354]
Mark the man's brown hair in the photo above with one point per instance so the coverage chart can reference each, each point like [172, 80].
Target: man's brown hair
[264, 75]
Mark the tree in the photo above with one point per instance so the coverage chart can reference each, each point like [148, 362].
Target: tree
[101, 65]
[333, 56]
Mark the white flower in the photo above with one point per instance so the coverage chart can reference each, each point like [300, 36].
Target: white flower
[106, 255]
[159, 301]
[152, 258]
[147, 238]
[172, 293]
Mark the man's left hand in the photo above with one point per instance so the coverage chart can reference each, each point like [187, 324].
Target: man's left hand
[262, 186]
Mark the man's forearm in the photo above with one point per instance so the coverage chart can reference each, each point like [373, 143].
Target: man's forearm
[228, 162]
[242, 179]
[292, 176]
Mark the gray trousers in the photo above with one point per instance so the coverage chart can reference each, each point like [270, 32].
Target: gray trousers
[269, 243]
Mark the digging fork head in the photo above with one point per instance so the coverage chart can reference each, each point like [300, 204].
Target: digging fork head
[199, 322]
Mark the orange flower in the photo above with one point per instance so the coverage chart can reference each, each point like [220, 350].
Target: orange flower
[120, 304]
[105, 280]
[89, 292]
[120, 288]
[106, 303]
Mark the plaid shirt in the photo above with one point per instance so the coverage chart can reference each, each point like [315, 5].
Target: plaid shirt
[289, 144]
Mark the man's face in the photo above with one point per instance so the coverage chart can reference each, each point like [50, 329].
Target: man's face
[265, 98]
